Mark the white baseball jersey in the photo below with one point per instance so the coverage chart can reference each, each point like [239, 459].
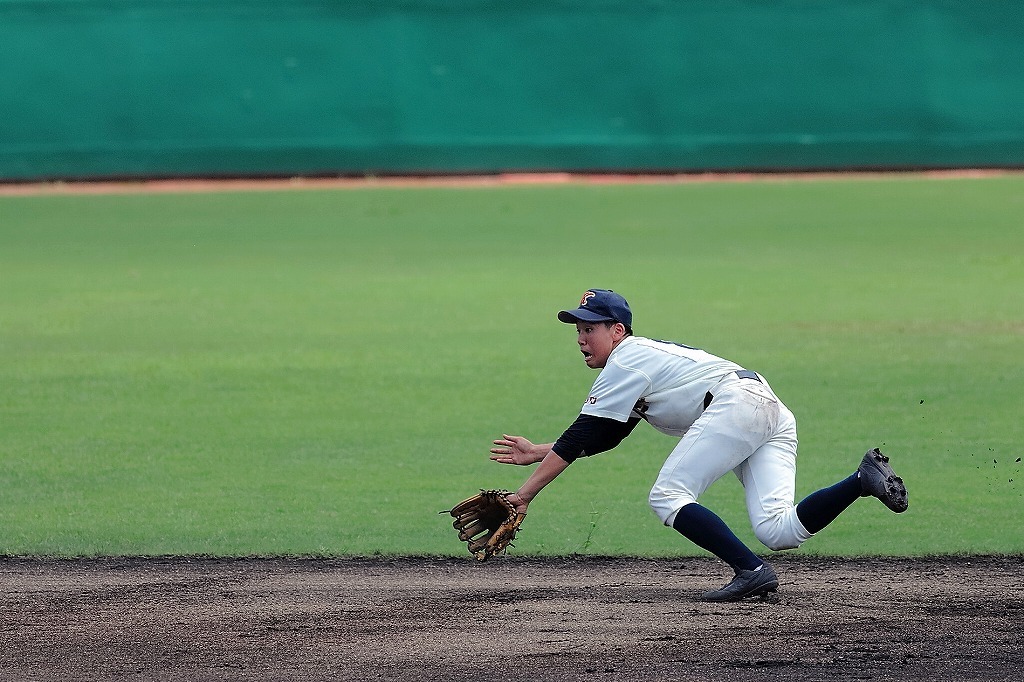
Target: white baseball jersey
[660, 381]
[745, 429]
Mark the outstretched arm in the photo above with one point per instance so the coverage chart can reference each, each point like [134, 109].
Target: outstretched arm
[550, 467]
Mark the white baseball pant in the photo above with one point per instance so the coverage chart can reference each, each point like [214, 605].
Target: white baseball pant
[748, 430]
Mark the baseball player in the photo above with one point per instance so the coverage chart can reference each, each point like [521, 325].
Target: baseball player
[727, 418]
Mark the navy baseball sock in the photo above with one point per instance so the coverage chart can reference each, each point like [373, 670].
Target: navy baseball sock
[821, 508]
[702, 527]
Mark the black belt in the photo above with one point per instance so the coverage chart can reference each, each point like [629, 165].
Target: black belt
[742, 374]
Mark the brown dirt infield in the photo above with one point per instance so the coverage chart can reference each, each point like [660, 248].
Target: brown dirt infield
[511, 618]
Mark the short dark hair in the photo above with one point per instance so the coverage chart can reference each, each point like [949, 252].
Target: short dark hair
[629, 330]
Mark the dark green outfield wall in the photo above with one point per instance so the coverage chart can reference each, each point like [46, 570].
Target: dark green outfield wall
[113, 88]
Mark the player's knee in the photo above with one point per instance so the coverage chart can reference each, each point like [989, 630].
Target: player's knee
[667, 504]
[777, 544]
[778, 533]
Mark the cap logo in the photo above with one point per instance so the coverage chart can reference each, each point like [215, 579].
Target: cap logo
[586, 297]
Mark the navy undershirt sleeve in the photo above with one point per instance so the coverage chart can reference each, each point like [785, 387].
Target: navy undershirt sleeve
[590, 435]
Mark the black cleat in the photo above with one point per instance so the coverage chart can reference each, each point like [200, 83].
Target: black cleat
[746, 584]
[877, 479]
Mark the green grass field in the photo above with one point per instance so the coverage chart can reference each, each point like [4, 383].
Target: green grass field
[320, 372]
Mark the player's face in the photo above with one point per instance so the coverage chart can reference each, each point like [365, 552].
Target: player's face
[597, 340]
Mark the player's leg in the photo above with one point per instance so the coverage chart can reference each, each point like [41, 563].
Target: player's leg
[710, 449]
[736, 424]
[822, 507]
[732, 427]
[769, 479]
[769, 483]
[873, 478]
[707, 530]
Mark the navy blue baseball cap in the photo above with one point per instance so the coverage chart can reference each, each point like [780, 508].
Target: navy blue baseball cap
[599, 305]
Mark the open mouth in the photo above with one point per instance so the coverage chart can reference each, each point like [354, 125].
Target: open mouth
[586, 354]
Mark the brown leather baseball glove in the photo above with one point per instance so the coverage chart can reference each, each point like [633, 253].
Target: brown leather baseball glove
[487, 522]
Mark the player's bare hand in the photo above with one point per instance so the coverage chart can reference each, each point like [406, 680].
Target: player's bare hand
[515, 450]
